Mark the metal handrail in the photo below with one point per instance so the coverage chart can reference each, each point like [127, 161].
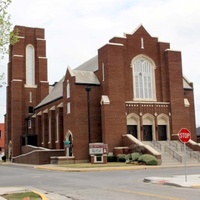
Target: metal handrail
[173, 153]
[174, 145]
[191, 153]
[188, 151]
[196, 156]
[157, 144]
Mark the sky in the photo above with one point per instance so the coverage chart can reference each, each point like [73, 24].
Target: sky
[76, 29]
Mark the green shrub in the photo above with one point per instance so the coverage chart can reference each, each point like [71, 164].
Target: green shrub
[111, 159]
[121, 157]
[148, 159]
[3, 158]
[135, 156]
[128, 157]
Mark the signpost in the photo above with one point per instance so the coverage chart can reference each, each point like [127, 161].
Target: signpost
[67, 145]
[184, 136]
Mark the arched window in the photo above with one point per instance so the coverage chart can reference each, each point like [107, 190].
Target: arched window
[30, 65]
[143, 79]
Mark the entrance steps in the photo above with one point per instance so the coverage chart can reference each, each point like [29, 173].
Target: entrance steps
[173, 153]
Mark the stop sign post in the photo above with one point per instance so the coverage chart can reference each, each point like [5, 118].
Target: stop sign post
[184, 136]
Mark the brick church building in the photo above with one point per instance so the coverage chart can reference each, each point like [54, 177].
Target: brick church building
[133, 86]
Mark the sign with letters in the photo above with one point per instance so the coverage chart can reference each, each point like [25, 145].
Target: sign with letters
[98, 148]
[184, 135]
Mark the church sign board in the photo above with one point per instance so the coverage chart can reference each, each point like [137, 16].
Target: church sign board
[98, 148]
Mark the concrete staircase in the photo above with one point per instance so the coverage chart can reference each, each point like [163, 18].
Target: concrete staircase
[173, 152]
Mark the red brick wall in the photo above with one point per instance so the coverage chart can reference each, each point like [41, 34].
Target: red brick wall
[18, 95]
[38, 157]
[2, 137]
[113, 115]
[107, 122]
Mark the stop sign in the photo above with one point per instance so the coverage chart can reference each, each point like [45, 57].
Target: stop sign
[184, 135]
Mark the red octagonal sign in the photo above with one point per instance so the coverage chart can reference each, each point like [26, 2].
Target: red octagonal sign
[184, 135]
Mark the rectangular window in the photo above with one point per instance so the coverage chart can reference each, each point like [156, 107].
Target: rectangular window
[68, 89]
[103, 75]
[142, 43]
[49, 129]
[68, 108]
[30, 97]
[57, 127]
[30, 109]
[98, 159]
[29, 123]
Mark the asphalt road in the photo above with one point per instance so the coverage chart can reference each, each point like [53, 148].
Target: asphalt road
[101, 185]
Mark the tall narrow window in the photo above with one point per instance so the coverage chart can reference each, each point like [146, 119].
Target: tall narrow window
[49, 129]
[57, 126]
[29, 123]
[103, 75]
[30, 97]
[143, 79]
[142, 43]
[68, 108]
[68, 89]
[30, 65]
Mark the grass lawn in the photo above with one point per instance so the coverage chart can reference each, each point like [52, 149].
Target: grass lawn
[22, 196]
[89, 165]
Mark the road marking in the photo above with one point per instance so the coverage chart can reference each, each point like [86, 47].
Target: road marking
[149, 194]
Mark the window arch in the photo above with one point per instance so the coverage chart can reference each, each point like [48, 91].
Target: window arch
[69, 137]
[143, 78]
[30, 65]
[133, 125]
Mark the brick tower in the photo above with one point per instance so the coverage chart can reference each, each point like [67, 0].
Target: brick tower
[27, 86]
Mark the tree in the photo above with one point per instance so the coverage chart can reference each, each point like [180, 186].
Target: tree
[7, 35]
[2, 77]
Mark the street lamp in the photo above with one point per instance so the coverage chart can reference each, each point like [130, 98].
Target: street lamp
[88, 89]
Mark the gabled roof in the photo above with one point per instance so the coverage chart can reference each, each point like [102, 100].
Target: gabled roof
[139, 28]
[84, 77]
[90, 65]
[187, 84]
[55, 93]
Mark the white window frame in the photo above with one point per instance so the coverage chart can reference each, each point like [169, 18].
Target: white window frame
[68, 89]
[29, 123]
[143, 79]
[30, 65]
[49, 130]
[68, 107]
[57, 127]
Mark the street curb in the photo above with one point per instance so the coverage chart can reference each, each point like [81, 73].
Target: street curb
[43, 196]
[22, 190]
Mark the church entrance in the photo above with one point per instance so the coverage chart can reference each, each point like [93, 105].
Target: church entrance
[162, 132]
[132, 129]
[147, 132]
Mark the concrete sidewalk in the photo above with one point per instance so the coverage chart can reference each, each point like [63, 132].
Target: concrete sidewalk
[189, 181]
[192, 181]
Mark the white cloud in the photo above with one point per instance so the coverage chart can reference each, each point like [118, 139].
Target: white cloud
[75, 29]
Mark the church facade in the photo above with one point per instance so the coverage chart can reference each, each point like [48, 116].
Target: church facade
[134, 85]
